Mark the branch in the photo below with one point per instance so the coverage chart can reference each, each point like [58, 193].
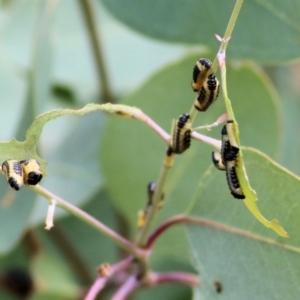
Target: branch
[100, 282]
[94, 34]
[127, 288]
[119, 240]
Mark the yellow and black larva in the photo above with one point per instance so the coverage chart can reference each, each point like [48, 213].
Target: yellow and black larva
[229, 157]
[208, 93]
[181, 138]
[14, 173]
[32, 172]
[233, 181]
[217, 160]
[199, 73]
[229, 149]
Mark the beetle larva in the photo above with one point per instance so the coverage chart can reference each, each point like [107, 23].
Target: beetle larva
[199, 73]
[233, 181]
[229, 148]
[208, 93]
[14, 173]
[181, 138]
[32, 172]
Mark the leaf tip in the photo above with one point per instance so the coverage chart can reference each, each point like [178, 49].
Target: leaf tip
[275, 225]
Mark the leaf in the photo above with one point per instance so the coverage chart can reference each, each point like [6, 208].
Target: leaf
[241, 174]
[73, 168]
[234, 243]
[286, 83]
[15, 210]
[91, 241]
[53, 279]
[21, 150]
[196, 22]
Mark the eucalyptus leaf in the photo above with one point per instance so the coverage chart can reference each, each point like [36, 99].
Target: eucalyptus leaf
[234, 243]
[16, 208]
[196, 22]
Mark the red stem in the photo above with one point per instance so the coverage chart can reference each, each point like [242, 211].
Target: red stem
[179, 277]
[165, 225]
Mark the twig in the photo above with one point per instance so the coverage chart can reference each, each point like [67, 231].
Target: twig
[128, 287]
[100, 282]
[94, 35]
[119, 240]
[179, 277]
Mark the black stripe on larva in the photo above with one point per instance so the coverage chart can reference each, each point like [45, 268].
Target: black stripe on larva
[208, 93]
[181, 138]
[14, 173]
[199, 73]
[233, 181]
[217, 161]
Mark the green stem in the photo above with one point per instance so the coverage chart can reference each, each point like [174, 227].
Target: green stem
[227, 35]
[119, 240]
[94, 35]
[229, 29]
[142, 235]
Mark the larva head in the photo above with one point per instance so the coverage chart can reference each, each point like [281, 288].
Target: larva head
[32, 171]
[199, 73]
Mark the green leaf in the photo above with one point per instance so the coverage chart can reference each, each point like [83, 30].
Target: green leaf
[196, 22]
[91, 241]
[22, 150]
[53, 279]
[284, 79]
[232, 242]
[73, 168]
[132, 154]
[248, 193]
[16, 208]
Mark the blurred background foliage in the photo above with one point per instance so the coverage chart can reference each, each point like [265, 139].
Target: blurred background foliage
[68, 53]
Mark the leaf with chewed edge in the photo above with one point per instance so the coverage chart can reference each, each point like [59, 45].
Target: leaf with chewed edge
[21, 150]
[250, 194]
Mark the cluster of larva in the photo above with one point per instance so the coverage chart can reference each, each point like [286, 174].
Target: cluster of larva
[27, 171]
[205, 84]
[227, 160]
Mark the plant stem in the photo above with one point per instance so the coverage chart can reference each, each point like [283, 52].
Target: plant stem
[179, 277]
[129, 286]
[206, 139]
[167, 224]
[227, 35]
[229, 30]
[94, 35]
[100, 282]
[153, 208]
[119, 240]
